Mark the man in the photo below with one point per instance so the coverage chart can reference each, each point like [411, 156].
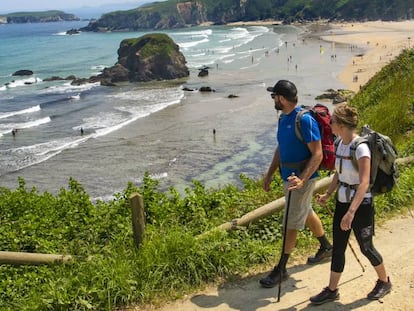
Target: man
[298, 163]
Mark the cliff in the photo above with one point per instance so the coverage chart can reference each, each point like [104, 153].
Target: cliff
[162, 15]
[176, 13]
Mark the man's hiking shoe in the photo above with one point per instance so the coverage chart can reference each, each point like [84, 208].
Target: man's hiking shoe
[325, 295]
[321, 255]
[273, 278]
[380, 290]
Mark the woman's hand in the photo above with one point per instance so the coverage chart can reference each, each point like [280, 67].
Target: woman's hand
[346, 221]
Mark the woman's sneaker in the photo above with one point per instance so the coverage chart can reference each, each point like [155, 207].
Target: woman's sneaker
[273, 278]
[380, 290]
[325, 295]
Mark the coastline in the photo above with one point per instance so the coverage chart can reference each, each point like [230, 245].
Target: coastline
[382, 41]
[176, 144]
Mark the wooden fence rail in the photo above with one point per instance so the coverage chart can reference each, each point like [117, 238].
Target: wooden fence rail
[279, 204]
[19, 258]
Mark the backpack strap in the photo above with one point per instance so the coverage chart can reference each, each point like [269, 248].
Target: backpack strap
[353, 160]
[353, 148]
[300, 166]
[298, 126]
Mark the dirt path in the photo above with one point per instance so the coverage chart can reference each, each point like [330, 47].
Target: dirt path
[394, 240]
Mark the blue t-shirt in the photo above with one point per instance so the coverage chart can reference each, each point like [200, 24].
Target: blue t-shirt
[291, 149]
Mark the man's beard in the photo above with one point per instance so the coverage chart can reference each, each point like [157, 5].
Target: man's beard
[278, 106]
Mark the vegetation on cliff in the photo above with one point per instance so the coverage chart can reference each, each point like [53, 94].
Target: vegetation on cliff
[181, 13]
[390, 93]
[109, 272]
[39, 17]
[154, 56]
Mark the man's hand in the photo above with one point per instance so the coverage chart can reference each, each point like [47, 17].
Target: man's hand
[294, 182]
[322, 198]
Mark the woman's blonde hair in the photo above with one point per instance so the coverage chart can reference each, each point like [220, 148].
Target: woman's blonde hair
[346, 115]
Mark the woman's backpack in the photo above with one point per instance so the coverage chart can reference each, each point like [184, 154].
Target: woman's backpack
[384, 171]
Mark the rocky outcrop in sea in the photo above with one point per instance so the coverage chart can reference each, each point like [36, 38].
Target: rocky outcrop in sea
[37, 17]
[147, 58]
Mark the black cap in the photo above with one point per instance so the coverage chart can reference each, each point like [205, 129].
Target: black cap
[284, 88]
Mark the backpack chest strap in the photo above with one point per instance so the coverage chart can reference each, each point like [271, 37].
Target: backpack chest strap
[343, 157]
[348, 189]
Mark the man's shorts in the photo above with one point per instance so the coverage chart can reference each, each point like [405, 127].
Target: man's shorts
[300, 205]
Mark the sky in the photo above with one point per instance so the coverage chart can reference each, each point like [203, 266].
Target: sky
[8, 6]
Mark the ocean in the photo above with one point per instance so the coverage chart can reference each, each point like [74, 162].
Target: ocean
[105, 137]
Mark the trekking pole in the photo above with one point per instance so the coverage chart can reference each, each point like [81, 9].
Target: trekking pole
[349, 243]
[284, 242]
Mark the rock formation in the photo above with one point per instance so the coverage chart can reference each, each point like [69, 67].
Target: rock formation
[150, 57]
[39, 17]
[23, 72]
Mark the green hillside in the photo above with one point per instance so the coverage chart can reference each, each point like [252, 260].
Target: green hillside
[175, 13]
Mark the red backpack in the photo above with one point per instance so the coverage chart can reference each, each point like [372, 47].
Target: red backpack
[322, 116]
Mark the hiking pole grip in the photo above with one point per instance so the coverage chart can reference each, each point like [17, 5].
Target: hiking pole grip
[349, 243]
[284, 243]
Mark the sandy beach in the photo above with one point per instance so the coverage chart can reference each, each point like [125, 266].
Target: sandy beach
[383, 41]
[372, 45]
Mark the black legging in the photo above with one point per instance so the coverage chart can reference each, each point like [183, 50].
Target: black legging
[363, 227]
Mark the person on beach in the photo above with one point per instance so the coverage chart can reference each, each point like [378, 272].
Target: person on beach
[354, 207]
[298, 163]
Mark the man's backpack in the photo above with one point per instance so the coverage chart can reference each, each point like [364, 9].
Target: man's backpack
[384, 171]
[322, 116]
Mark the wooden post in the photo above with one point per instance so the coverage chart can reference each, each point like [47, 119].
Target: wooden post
[138, 218]
[19, 258]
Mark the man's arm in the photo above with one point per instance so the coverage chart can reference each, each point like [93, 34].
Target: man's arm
[315, 147]
[272, 168]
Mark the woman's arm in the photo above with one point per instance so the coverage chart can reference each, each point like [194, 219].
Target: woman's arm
[364, 169]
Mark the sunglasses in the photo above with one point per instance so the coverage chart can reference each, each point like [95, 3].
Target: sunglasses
[272, 95]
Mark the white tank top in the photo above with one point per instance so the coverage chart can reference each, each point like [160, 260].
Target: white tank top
[347, 173]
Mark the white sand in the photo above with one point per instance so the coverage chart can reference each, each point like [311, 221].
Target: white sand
[383, 41]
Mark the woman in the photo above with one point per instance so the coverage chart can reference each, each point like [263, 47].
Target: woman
[354, 207]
